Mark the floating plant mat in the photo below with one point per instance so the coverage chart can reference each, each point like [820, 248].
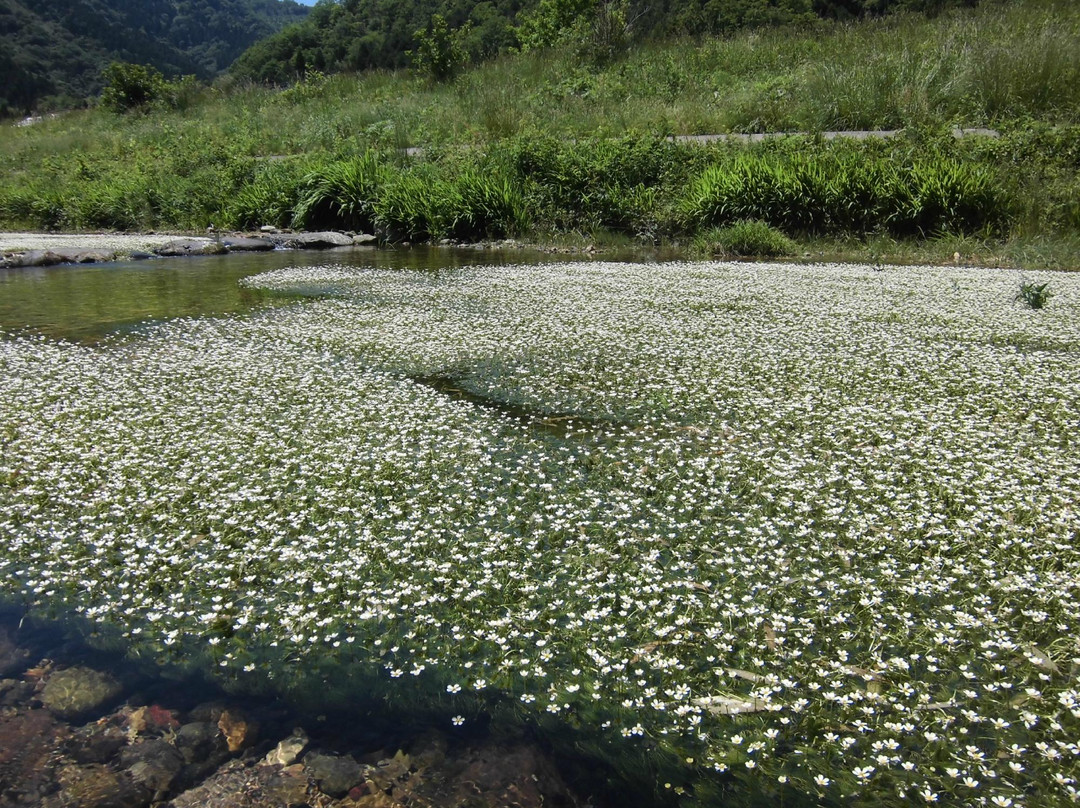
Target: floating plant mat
[818, 537]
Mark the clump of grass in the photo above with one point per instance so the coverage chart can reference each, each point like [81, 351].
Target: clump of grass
[341, 194]
[1035, 295]
[406, 208]
[478, 205]
[748, 238]
[269, 197]
[827, 193]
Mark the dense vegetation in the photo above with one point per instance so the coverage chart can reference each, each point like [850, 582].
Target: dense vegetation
[52, 52]
[359, 34]
[549, 145]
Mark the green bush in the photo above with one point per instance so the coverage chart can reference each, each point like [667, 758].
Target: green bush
[749, 238]
[129, 87]
[440, 53]
[1035, 295]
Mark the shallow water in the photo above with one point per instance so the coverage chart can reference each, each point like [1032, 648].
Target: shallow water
[86, 302]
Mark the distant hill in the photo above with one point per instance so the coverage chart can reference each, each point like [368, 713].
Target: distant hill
[353, 35]
[52, 52]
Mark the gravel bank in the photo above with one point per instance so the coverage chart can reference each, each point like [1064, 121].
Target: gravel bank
[117, 242]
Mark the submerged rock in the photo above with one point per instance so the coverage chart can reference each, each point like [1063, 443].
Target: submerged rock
[95, 744]
[76, 692]
[13, 659]
[487, 776]
[241, 785]
[200, 741]
[191, 246]
[239, 730]
[151, 718]
[96, 786]
[28, 740]
[335, 775]
[153, 764]
[288, 750]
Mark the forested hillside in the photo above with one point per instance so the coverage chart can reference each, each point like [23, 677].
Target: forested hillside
[52, 52]
[350, 35]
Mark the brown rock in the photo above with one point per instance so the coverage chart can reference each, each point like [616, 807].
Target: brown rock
[75, 692]
[238, 729]
[152, 718]
[153, 764]
[98, 787]
[237, 785]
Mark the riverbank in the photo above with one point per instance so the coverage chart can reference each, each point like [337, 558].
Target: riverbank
[1060, 252]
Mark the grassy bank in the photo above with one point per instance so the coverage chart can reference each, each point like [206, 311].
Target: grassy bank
[562, 149]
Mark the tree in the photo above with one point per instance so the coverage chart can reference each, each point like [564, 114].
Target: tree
[440, 52]
[129, 86]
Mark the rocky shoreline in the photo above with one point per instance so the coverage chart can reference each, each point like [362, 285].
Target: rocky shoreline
[47, 249]
[76, 732]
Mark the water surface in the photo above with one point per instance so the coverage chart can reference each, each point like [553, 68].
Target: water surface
[83, 303]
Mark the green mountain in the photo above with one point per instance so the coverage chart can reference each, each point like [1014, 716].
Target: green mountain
[52, 52]
[353, 35]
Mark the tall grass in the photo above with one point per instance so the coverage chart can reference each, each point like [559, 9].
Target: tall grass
[340, 194]
[849, 193]
[565, 146]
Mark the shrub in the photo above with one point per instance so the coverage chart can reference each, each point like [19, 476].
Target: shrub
[748, 238]
[440, 53]
[129, 86]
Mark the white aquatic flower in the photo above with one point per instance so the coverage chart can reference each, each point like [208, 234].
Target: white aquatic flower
[784, 472]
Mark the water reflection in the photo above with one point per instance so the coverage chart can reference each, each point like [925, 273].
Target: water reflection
[83, 303]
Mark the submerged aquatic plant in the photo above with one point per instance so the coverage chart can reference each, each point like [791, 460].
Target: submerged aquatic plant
[815, 533]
